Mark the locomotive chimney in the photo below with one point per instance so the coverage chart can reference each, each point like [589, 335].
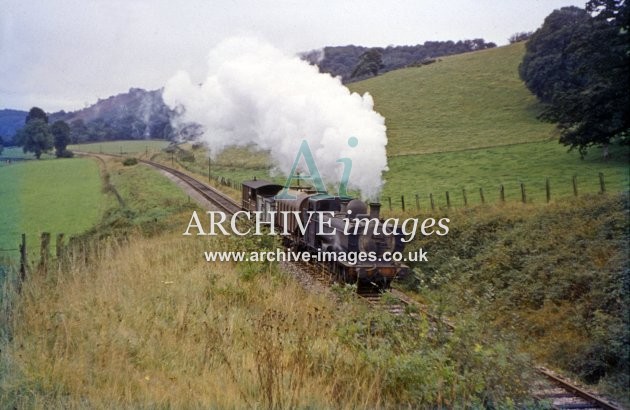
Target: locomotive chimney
[375, 208]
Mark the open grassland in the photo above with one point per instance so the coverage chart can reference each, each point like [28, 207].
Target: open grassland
[509, 166]
[57, 196]
[555, 276]
[466, 101]
[16, 152]
[121, 147]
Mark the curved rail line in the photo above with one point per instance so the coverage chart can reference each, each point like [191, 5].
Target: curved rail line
[211, 194]
[561, 393]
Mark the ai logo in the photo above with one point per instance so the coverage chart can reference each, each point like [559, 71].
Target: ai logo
[313, 173]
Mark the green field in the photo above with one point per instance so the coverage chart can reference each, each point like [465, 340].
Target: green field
[121, 147]
[16, 152]
[510, 166]
[58, 196]
[466, 101]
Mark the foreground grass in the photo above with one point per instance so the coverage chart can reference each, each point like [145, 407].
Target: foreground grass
[146, 322]
[133, 316]
[57, 196]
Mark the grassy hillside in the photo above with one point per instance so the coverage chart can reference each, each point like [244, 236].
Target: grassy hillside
[57, 196]
[466, 101]
[468, 122]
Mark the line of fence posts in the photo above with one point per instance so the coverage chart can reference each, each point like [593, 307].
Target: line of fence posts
[502, 198]
[44, 255]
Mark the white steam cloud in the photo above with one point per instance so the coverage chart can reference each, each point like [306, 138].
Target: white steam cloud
[256, 94]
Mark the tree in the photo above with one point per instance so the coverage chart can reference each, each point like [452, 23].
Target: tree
[61, 135]
[1, 147]
[369, 64]
[35, 137]
[577, 65]
[520, 36]
[36, 113]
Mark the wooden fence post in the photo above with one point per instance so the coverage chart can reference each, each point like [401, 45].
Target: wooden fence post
[402, 202]
[483, 199]
[502, 192]
[44, 250]
[23, 261]
[465, 197]
[432, 203]
[389, 199]
[417, 202]
[548, 189]
[448, 200]
[575, 187]
[602, 185]
[523, 195]
[59, 246]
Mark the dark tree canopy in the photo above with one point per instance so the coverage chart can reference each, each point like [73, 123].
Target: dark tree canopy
[36, 113]
[61, 135]
[577, 64]
[369, 64]
[35, 137]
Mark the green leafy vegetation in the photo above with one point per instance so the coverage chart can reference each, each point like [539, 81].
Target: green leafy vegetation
[578, 64]
[557, 276]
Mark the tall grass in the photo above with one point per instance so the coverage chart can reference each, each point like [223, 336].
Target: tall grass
[146, 322]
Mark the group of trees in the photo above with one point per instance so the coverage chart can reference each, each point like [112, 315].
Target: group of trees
[353, 63]
[578, 65]
[38, 137]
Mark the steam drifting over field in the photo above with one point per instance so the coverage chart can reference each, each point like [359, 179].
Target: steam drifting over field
[256, 94]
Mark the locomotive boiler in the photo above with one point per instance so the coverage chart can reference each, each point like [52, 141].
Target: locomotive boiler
[352, 250]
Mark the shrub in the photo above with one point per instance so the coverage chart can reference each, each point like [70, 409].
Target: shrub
[130, 161]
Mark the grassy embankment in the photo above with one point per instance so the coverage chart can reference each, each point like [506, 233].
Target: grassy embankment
[137, 318]
[556, 277]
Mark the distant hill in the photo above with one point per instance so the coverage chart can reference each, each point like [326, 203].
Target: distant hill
[10, 121]
[345, 61]
[136, 114]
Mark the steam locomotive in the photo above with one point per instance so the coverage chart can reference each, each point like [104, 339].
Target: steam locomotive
[346, 216]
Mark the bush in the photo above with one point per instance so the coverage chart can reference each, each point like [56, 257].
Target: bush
[130, 161]
[66, 154]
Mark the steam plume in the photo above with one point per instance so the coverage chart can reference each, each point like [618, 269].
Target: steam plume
[255, 94]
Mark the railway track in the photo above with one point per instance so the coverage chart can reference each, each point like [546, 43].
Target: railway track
[211, 194]
[561, 393]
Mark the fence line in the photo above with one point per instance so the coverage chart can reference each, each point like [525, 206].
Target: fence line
[501, 197]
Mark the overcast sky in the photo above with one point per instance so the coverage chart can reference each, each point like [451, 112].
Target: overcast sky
[64, 54]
